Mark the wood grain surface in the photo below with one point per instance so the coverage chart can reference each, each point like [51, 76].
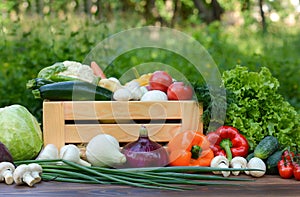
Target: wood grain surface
[265, 186]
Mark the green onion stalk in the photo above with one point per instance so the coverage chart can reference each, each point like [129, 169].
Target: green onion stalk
[166, 178]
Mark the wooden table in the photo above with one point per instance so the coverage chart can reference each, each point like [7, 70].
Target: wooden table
[265, 186]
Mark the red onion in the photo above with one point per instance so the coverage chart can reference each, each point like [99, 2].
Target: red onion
[144, 152]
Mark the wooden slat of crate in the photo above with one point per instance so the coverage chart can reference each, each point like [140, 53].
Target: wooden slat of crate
[117, 119]
[125, 132]
[123, 110]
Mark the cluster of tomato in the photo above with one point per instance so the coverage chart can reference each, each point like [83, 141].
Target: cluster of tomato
[175, 90]
[289, 165]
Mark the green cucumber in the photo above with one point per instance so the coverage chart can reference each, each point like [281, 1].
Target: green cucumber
[249, 156]
[272, 162]
[37, 82]
[72, 91]
[266, 147]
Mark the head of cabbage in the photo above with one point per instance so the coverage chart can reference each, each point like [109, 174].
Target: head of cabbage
[20, 132]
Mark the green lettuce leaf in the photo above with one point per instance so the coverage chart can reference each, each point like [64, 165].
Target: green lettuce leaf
[258, 109]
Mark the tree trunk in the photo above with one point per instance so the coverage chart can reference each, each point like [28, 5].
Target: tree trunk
[203, 12]
[149, 6]
[217, 10]
[99, 12]
[40, 7]
[263, 18]
[209, 13]
[246, 5]
[87, 7]
[177, 5]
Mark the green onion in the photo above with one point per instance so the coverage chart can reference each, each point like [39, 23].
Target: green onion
[94, 172]
[193, 169]
[150, 177]
[171, 175]
[73, 174]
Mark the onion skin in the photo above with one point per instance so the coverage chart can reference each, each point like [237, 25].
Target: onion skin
[144, 152]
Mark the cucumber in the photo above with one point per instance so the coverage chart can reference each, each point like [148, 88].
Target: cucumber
[250, 156]
[72, 91]
[272, 161]
[266, 147]
[37, 82]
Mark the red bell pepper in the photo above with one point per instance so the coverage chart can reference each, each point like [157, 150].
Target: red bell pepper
[228, 142]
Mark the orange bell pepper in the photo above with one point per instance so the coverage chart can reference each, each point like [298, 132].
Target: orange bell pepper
[190, 148]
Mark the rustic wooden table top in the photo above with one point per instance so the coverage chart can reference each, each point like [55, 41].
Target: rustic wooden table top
[265, 186]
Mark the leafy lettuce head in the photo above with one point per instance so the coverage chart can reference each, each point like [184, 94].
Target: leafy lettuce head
[258, 109]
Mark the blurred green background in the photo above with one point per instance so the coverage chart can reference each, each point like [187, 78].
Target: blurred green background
[37, 33]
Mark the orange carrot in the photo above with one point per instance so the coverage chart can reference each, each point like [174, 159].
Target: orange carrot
[97, 70]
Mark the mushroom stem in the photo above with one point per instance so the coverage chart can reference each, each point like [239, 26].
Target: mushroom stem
[8, 177]
[35, 170]
[225, 173]
[220, 162]
[6, 172]
[238, 162]
[28, 179]
[36, 176]
[236, 173]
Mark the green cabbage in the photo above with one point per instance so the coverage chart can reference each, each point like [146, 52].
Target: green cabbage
[258, 109]
[20, 132]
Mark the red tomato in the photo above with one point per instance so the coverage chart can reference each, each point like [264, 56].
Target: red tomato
[288, 155]
[296, 172]
[160, 80]
[285, 169]
[179, 91]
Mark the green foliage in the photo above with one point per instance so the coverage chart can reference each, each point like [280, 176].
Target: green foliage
[258, 109]
[28, 45]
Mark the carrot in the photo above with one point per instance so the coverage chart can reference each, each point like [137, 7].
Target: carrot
[97, 70]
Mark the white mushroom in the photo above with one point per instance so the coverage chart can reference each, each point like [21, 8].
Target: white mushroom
[50, 151]
[154, 95]
[6, 172]
[122, 94]
[36, 171]
[22, 175]
[135, 90]
[220, 162]
[238, 162]
[71, 152]
[256, 163]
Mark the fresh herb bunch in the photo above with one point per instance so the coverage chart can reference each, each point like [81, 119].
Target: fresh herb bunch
[212, 98]
[258, 109]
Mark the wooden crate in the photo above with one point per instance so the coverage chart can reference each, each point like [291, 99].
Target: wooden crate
[66, 122]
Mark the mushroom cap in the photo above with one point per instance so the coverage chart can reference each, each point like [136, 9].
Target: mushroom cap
[122, 94]
[19, 172]
[257, 163]
[219, 159]
[35, 167]
[239, 160]
[5, 165]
